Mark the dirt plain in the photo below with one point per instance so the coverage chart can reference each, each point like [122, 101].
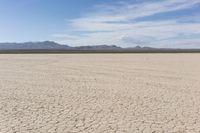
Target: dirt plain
[96, 93]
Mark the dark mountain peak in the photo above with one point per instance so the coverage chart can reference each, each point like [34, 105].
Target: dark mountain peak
[42, 43]
[50, 43]
[138, 47]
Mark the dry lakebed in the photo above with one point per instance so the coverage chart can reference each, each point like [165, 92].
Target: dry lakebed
[100, 93]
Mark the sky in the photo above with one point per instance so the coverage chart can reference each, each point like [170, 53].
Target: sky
[126, 23]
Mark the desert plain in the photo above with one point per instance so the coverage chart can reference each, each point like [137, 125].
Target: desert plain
[100, 93]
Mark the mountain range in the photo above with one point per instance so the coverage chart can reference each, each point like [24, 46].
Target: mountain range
[53, 47]
[33, 45]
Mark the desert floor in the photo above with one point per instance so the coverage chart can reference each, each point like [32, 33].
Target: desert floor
[69, 93]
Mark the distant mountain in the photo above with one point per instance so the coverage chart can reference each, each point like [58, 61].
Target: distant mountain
[140, 48]
[33, 45]
[98, 47]
[53, 45]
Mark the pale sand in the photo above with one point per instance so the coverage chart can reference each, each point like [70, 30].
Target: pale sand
[96, 93]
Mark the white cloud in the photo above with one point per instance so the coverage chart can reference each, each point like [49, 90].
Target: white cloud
[116, 24]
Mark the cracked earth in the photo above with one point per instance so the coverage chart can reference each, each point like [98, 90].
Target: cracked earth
[100, 93]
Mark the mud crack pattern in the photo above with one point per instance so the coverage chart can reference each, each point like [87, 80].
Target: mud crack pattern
[100, 93]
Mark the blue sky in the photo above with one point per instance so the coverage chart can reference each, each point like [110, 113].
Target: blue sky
[127, 23]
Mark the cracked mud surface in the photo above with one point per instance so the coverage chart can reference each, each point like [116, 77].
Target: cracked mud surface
[97, 93]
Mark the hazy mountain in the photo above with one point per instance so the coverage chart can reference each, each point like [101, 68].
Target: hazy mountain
[54, 45]
[33, 45]
[98, 47]
[140, 48]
